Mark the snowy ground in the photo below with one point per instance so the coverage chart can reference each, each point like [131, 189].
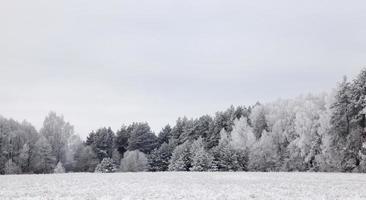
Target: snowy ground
[174, 185]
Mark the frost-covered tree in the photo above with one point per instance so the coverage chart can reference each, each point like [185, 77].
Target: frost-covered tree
[44, 160]
[134, 161]
[263, 155]
[358, 99]
[226, 158]
[341, 128]
[325, 132]
[258, 120]
[308, 143]
[201, 159]
[57, 132]
[13, 137]
[357, 138]
[181, 158]
[222, 120]
[59, 169]
[325, 158]
[241, 136]
[106, 166]
[232, 151]
[73, 143]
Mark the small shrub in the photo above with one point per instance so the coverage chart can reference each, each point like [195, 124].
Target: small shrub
[59, 169]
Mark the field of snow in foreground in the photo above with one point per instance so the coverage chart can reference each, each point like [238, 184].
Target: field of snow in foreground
[175, 185]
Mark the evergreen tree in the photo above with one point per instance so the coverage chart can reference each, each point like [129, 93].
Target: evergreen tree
[201, 127]
[159, 158]
[225, 156]
[201, 159]
[358, 123]
[142, 138]
[102, 142]
[164, 135]
[121, 141]
[90, 139]
[222, 120]
[181, 158]
[341, 126]
[106, 166]
[178, 130]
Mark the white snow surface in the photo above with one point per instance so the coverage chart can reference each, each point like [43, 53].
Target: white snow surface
[180, 185]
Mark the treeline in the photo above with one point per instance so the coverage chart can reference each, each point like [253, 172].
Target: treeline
[310, 133]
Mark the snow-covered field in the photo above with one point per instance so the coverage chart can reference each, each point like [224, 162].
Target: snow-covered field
[174, 185]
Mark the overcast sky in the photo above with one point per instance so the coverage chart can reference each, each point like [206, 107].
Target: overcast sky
[112, 62]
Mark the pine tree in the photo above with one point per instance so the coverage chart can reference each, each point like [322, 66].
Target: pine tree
[106, 166]
[222, 121]
[357, 137]
[102, 142]
[201, 159]
[159, 158]
[181, 158]
[341, 128]
[142, 138]
[121, 141]
[164, 135]
[225, 158]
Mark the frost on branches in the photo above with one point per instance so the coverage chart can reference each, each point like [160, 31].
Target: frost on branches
[106, 166]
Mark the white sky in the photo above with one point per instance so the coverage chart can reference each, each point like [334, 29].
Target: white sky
[112, 62]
